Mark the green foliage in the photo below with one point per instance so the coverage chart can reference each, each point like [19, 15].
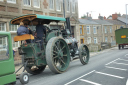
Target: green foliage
[84, 16]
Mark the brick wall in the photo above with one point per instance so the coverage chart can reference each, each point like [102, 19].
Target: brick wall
[26, 11]
[59, 15]
[52, 14]
[12, 9]
[2, 8]
[37, 12]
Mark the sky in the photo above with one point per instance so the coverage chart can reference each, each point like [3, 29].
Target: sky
[102, 7]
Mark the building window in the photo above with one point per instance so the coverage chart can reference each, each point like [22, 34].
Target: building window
[116, 27]
[110, 29]
[106, 39]
[13, 27]
[73, 6]
[51, 4]
[95, 40]
[81, 30]
[82, 41]
[14, 44]
[27, 2]
[11, 1]
[58, 5]
[105, 28]
[68, 5]
[88, 29]
[111, 38]
[2, 27]
[89, 40]
[36, 3]
[94, 30]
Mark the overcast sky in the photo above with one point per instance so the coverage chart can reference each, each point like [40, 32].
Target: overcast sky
[104, 7]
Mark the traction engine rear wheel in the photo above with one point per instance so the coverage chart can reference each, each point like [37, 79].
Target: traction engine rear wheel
[35, 70]
[57, 55]
[84, 54]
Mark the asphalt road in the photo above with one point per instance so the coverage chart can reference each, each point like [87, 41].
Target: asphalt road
[107, 68]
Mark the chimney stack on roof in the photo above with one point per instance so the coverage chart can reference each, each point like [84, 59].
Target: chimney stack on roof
[100, 17]
[104, 17]
[89, 15]
[114, 16]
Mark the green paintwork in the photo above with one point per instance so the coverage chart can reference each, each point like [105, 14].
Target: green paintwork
[50, 35]
[31, 51]
[50, 18]
[119, 33]
[7, 79]
[7, 68]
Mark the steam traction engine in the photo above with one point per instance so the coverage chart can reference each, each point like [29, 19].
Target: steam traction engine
[58, 46]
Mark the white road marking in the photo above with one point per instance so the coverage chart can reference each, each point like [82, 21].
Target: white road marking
[126, 54]
[116, 68]
[123, 59]
[89, 82]
[79, 77]
[120, 63]
[112, 61]
[127, 82]
[110, 75]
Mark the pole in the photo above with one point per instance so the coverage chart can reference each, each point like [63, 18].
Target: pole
[126, 15]
[64, 8]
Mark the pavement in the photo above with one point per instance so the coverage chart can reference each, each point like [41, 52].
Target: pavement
[18, 62]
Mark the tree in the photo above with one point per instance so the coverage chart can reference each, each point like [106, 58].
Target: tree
[84, 16]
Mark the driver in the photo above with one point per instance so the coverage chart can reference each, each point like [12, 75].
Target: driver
[40, 30]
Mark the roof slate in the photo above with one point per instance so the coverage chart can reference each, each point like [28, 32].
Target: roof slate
[122, 19]
[115, 22]
[85, 21]
[103, 22]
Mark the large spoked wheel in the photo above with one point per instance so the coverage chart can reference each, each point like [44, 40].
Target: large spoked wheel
[84, 54]
[57, 55]
[35, 70]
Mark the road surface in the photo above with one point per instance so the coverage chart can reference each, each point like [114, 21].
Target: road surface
[110, 67]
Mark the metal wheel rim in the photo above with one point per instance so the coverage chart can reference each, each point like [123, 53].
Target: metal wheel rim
[84, 54]
[25, 78]
[60, 55]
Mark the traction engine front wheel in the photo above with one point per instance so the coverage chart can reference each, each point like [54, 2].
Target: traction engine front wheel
[83, 54]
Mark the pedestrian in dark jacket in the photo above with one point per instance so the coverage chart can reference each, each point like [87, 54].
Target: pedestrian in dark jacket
[40, 30]
[22, 29]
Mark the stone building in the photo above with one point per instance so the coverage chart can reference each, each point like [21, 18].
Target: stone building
[13, 8]
[89, 32]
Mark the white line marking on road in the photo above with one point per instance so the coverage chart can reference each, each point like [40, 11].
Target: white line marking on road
[112, 61]
[120, 63]
[89, 82]
[116, 68]
[110, 75]
[123, 59]
[79, 77]
[126, 54]
[127, 82]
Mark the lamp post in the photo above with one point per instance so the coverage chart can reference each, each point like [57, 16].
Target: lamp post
[126, 15]
[64, 8]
